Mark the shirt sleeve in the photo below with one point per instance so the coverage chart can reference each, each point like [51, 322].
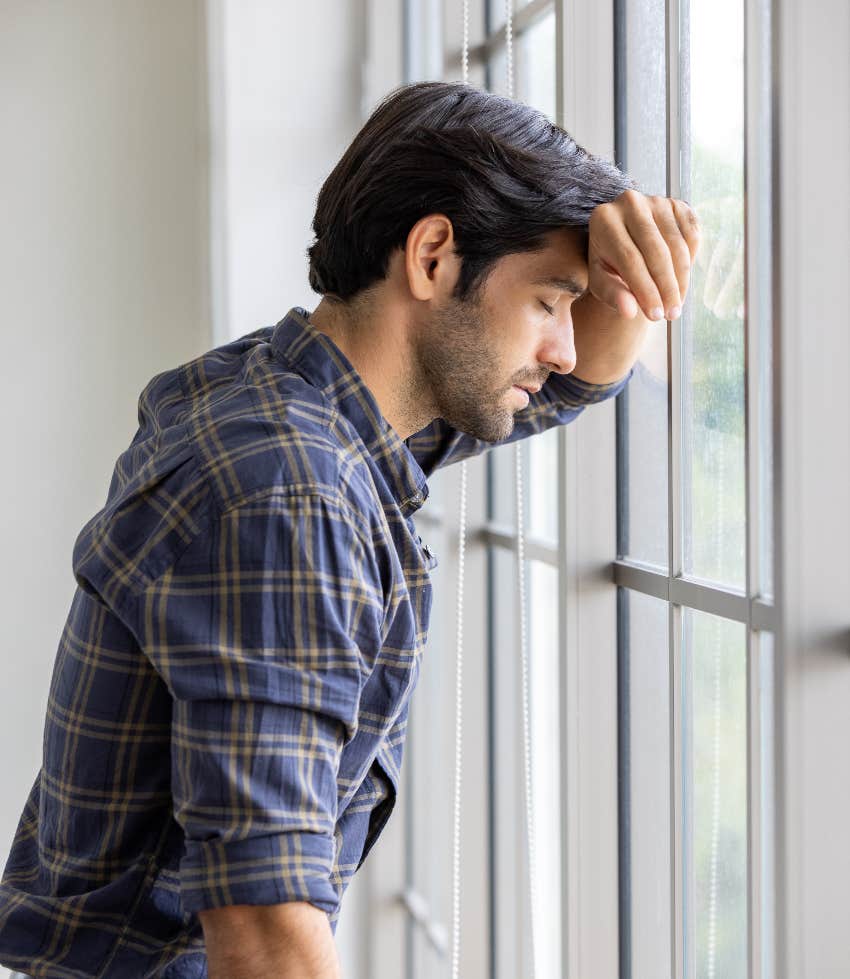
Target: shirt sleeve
[263, 631]
[560, 401]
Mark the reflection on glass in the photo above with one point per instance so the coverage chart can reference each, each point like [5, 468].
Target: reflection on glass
[643, 452]
[647, 762]
[714, 705]
[713, 329]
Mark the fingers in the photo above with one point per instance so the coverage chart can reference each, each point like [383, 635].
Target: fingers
[618, 263]
[656, 235]
[688, 226]
[610, 289]
[645, 247]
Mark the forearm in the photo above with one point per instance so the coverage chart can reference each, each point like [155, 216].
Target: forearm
[290, 941]
[607, 343]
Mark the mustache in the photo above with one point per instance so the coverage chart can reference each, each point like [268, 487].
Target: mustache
[533, 381]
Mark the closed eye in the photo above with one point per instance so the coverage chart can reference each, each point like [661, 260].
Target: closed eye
[548, 309]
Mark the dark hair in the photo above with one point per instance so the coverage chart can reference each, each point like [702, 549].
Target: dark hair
[503, 174]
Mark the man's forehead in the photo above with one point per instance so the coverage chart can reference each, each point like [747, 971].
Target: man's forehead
[563, 281]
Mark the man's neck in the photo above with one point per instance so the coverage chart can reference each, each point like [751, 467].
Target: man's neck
[376, 343]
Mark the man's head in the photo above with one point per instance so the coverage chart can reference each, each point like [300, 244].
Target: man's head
[452, 202]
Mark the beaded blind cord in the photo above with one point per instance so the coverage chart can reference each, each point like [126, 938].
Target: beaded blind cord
[459, 643]
[520, 551]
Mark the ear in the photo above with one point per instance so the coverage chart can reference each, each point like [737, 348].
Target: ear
[430, 262]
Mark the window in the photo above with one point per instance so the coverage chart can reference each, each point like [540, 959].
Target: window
[655, 687]
[695, 524]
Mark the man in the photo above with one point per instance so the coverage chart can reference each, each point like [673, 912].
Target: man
[227, 712]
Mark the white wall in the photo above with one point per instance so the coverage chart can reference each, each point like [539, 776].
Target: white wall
[158, 179]
[291, 85]
[103, 278]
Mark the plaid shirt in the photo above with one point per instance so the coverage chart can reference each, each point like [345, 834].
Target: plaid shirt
[228, 706]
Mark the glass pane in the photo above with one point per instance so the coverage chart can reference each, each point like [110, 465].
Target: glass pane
[646, 711]
[714, 753]
[643, 448]
[760, 123]
[428, 813]
[509, 890]
[768, 801]
[513, 914]
[540, 487]
[498, 11]
[713, 328]
[503, 485]
[534, 67]
[643, 531]
[545, 775]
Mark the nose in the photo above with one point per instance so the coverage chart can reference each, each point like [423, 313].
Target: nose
[558, 350]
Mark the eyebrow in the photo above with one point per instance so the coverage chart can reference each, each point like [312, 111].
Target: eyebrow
[560, 282]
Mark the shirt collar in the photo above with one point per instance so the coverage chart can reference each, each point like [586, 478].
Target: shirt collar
[319, 360]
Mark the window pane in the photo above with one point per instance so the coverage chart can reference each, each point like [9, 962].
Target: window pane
[647, 764]
[498, 10]
[535, 65]
[642, 105]
[540, 487]
[545, 775]
[512, 938]
[768, 805]
[427, 779]
[759, 121]
[509, 888]
[714, 753]
[503, 485]
[713, 328]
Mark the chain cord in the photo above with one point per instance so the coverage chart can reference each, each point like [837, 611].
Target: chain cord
[456, 874]
[459, 643]
[523, 607]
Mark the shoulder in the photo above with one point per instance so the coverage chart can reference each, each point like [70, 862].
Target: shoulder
[269, 430]
[231, 427]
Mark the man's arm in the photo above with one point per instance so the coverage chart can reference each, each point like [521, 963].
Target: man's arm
[255, 941]
[607, 343]
[264, 630]
[640, 253]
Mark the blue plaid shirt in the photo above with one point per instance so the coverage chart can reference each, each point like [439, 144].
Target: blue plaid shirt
[228, 706]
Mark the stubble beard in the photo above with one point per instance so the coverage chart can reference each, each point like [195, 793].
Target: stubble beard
[459, 368]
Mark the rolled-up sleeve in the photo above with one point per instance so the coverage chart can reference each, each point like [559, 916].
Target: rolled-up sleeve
[264, 631]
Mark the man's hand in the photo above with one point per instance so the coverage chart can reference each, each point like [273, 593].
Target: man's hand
[640, 254]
